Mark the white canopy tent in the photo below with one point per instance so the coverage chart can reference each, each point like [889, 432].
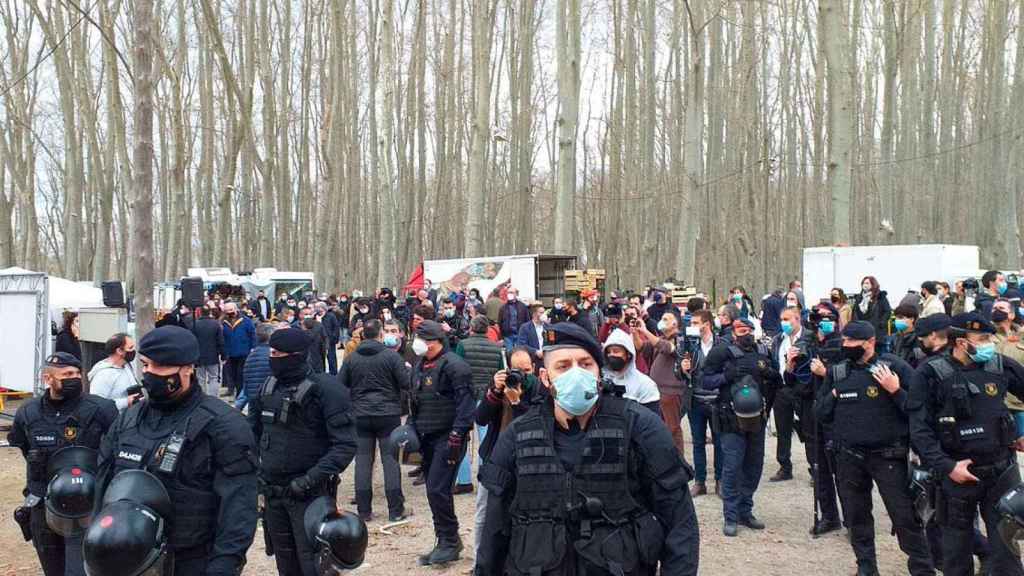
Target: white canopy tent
[29, 301]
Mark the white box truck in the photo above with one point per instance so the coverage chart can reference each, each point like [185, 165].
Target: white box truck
[899, 269]
[536, 276]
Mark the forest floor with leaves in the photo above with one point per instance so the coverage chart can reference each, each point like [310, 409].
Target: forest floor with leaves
[784, 548]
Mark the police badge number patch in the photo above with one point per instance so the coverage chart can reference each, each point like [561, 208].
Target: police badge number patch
[991, 389]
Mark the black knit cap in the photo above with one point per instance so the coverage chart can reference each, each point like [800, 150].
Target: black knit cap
[290, 340]
[859, 330]
[170, 346]
[430, 330]
[570, 335]
[972, 322]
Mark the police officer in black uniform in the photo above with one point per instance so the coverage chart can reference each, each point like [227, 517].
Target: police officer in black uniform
[864, 398]
[962, 429]
[62, 416]
[825, 351]
[443, 407]
[306, 438]
[585, 483]
[198, 446]
[741, 370]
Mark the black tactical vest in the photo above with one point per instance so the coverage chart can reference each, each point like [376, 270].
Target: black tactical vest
[866, 415]
[973, 420]
[74, 425]
[588, 518]
[182, 458]
[435, 408]
[291, 444]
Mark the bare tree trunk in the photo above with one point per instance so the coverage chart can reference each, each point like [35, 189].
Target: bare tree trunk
[483, 26]
[841, 126]
[568, 48]
[142, 209]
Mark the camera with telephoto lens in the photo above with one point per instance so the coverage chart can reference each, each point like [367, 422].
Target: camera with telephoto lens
[515, 378]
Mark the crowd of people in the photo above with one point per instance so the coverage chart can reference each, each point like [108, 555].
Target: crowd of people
[573, 413]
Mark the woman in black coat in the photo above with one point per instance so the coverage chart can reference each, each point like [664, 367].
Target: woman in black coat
[872, 306]
[67, 338]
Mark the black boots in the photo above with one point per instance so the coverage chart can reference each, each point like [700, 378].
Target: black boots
[446, 550]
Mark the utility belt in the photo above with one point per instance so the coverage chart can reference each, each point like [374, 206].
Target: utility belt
[898, 452]
[279, 491]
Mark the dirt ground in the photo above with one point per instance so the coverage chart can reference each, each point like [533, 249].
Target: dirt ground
[783, 549]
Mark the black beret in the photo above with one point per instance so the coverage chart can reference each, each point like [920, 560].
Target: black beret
[170, 346]
[430, 330]
[570, 335]
[933, 323]
[972, 322]
[290, 340]
[859, 330]
[63, 360]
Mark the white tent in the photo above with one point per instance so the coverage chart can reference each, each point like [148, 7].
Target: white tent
[68, 295]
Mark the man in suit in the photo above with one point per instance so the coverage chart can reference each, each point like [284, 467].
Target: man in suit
[791, 359]
[531, 334]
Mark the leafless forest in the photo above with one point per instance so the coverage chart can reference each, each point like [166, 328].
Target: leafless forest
[708, 140]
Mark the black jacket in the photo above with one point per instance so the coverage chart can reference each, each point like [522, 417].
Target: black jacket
[211, 341]
[332, 328]
[376, 375]
[66, 342]
[877, 313]
[490, 408]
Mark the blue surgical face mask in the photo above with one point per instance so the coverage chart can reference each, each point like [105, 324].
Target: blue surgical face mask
[662, 325]
[827, 327]
[1002, 287]
[1020, 312]
[900, 325]
[983, 353]
[787, 328]
[390, 340]
[576, 391]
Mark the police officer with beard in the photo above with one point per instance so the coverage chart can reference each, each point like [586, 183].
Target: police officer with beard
[63, 416]
[965, 434]
[443, 407]
[201, 450]
[741, 371]
[585, 483]
[864, 398]
[306, 438]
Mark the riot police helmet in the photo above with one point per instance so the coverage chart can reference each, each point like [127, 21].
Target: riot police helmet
[747, 404]
[405, 438]
[340, 538]
[129, 535]
[70, 495]
[1011, 518]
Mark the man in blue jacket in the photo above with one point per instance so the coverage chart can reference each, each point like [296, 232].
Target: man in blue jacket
[257, 366]
[531, 333]
[239, 337]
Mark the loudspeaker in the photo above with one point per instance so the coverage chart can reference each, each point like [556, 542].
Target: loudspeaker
[113, 294]
[192, 292]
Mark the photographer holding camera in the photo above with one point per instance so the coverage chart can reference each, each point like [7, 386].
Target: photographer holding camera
[509, 397]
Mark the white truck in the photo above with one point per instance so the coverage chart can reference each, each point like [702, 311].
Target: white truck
[899, 269]
[536, 276]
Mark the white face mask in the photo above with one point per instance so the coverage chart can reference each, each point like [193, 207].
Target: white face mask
[511, 297]
[718, 322]
[419, 347]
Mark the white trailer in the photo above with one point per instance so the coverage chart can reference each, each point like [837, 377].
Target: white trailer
[536, 276]
[899, 269]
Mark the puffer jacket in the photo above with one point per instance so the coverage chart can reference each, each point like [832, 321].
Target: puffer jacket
[254, 373]
[484, 358]
[375, 375]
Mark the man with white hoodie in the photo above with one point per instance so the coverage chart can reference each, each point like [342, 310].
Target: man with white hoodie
[620, 367]
[112, 377]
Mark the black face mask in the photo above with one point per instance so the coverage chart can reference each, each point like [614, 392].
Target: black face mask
[616, 363]
[853, 353]
[999, 316]
[129, 356]
[288, 368]
[71, 388]
[160, 388]
[745, 342]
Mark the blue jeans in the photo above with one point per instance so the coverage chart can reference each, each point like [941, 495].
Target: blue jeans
[510, 343]
[700, 422]
[743, 455]
[466, 467]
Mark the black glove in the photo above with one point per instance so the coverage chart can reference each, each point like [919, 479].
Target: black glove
[455, 443]
[299, 488]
